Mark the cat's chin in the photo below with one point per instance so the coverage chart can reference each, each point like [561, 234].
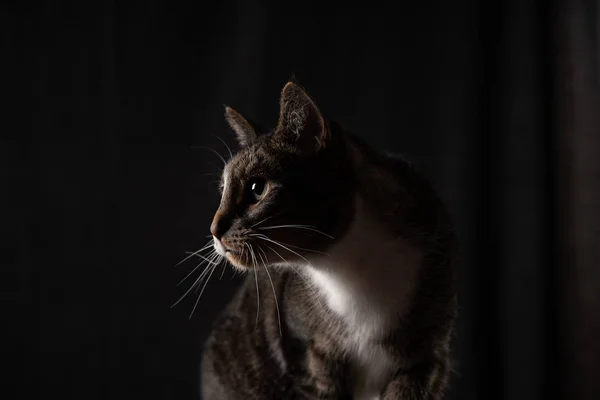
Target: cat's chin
[237, 263]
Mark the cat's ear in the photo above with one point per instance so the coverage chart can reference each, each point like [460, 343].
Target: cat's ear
[300, 121]
[244, 130]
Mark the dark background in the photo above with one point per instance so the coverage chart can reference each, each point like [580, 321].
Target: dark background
[497, 102]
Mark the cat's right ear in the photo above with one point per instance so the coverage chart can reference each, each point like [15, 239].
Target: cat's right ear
[243, 129]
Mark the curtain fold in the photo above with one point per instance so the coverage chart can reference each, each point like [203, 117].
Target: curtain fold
[578, 145]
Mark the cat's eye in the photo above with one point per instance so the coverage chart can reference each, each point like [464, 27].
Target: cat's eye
[256, 189]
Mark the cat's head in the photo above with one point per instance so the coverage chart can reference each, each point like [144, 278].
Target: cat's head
[286, 195]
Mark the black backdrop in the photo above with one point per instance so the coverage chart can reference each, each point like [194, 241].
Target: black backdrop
[496, 102]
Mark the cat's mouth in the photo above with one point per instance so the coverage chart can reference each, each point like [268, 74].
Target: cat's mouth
[230, 254]
[220, 248]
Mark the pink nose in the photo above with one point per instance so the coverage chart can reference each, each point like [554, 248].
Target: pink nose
[214, 229]
[220, 225]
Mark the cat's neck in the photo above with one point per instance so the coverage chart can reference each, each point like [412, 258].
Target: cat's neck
[368, 275]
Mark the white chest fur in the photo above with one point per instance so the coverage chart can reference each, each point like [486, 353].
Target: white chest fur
[371, 365]
[367, 280]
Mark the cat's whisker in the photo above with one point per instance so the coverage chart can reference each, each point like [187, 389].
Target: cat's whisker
[202, 291]
[306, 227]
[201, 256]
[249, 253]
[210, 174]
[213, 150]
[209, 265]
[263, 237]
[296, 247]
[222, 141]
[223, 272]
[199, 279]
[297, 273]
[257, 291]
[274, 294]
[260, 222]
[216, 260]
[290, 264]
[196, 268]
[192, 254]
[219, 172]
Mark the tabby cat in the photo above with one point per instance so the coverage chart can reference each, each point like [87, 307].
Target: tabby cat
[350, 287]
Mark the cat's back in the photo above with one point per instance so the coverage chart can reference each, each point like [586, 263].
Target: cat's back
[396, 192]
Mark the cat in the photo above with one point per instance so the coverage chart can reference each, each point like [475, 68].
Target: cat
[350, 288]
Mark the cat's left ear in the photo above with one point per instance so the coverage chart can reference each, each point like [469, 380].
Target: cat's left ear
[300, 121]
[244, 130]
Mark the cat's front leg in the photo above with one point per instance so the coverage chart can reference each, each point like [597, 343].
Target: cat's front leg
[321, 376]
[423, 382]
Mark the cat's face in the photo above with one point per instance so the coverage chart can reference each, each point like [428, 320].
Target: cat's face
[285, 196]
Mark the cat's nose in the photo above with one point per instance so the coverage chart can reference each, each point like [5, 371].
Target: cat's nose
[217, 229]
[219, 226]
